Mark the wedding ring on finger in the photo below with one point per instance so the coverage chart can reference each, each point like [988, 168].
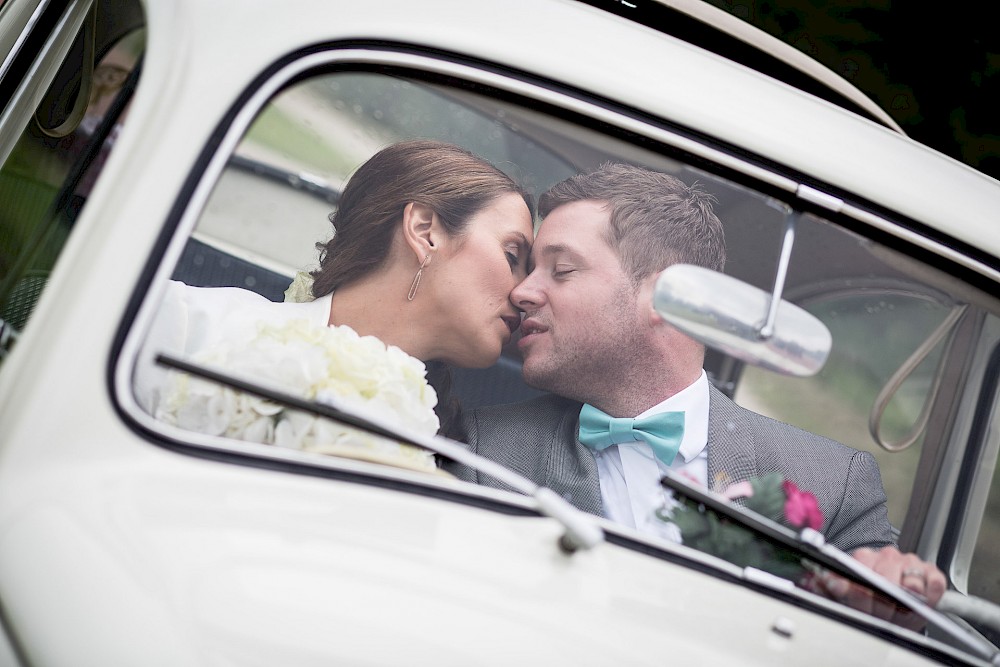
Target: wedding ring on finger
[917, 572]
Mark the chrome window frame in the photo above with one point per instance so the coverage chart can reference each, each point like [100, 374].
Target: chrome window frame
[32, 87]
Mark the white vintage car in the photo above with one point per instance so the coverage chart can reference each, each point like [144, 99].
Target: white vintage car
[207, 141]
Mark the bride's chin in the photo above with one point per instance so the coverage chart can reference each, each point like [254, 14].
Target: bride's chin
[474, 358]
[486, 359]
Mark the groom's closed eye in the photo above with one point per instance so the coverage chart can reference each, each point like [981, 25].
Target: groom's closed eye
[563, 271]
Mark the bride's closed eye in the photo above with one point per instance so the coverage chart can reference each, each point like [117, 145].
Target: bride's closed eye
[516, 255]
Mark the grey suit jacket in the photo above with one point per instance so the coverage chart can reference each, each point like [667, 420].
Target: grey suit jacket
[538, 439]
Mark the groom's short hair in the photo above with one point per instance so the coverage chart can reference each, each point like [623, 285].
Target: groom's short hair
[656, 219]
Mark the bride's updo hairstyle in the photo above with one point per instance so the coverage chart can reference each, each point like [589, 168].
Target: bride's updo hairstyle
[450, 180]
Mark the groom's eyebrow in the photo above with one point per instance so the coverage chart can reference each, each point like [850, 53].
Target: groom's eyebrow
[558, 249]
[550, 250]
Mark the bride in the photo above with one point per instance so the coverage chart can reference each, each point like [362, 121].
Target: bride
[428, 241]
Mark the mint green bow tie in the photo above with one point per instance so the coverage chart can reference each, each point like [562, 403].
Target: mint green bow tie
[663, 432]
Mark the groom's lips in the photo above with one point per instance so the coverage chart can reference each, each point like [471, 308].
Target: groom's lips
[530, 328]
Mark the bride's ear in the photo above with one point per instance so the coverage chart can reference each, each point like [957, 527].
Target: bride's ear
[421, 229]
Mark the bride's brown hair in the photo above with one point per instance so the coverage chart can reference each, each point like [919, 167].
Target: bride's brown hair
[453, 182]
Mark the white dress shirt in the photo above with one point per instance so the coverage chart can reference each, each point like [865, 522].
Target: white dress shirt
[630, 473]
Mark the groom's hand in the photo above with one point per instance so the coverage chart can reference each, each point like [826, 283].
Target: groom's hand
[908, 571]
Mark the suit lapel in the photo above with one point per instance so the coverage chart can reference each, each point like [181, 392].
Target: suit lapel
[731, 446]
[571, 469]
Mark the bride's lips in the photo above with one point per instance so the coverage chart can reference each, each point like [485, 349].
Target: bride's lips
[513, 322]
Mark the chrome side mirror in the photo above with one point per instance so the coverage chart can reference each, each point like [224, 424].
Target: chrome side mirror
[732, 316]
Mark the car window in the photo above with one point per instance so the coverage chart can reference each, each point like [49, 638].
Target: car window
[907, 334]
[309, 139]
[46, 180]
[909, 348]
[861, 312]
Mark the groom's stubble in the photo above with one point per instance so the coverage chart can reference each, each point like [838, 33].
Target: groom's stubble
[591, 357]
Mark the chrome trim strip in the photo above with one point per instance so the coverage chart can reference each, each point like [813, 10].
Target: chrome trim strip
[819, 198]
[15, 48]
[31, 89]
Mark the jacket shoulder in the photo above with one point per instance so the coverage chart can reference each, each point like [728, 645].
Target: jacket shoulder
[542, 411]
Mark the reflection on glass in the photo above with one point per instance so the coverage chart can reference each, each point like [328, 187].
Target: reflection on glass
[878, 320]
[32, 183]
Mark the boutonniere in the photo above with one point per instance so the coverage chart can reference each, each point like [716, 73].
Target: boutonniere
[771, 496]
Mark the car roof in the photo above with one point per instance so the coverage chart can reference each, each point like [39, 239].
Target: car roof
[711, 99]
[704, 25]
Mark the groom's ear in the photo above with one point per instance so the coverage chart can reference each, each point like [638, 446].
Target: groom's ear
[644, 299]
[421, 229]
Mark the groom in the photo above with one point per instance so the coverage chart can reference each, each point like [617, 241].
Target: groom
[591, 337]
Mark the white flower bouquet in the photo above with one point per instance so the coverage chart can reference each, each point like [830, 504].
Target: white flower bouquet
[326, 364]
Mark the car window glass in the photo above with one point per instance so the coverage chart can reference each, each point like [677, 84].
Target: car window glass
[983, 579]
[45, 183]
[894, 382]
[838, 401]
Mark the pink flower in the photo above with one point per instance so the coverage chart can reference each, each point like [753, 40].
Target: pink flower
[801, 508]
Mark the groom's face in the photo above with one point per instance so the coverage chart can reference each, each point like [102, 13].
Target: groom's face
[583, 324]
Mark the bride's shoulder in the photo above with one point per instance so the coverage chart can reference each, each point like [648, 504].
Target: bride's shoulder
[205, 315]
[214, 297]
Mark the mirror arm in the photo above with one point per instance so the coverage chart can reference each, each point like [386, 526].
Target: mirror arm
[767, 329]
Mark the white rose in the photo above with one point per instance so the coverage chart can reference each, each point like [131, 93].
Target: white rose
[300, 291]
[359, 374]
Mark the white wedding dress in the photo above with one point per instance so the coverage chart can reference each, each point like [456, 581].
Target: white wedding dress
[286, 346]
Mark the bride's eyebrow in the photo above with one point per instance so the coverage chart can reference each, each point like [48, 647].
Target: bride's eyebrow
[522, 241]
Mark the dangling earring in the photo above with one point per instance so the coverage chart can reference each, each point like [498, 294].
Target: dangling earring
[416, 279]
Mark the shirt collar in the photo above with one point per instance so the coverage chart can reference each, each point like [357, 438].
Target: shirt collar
[693, 402]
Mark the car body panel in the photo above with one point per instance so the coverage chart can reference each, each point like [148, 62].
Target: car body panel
[284, 567]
